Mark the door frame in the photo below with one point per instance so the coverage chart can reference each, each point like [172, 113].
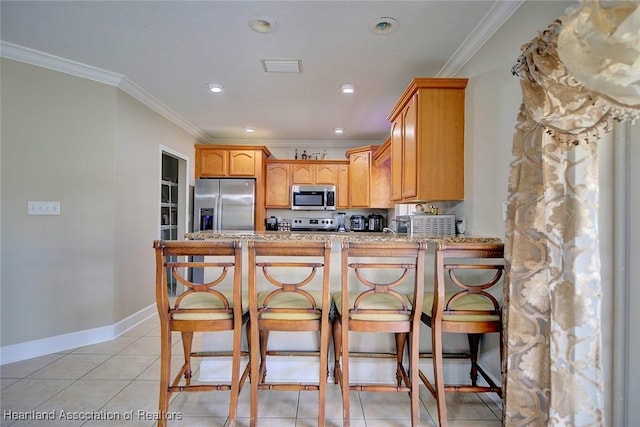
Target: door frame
[184, 185]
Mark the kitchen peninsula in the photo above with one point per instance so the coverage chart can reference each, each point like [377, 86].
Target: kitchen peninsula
[289, 369]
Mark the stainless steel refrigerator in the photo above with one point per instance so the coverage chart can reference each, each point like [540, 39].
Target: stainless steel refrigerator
[224, 205]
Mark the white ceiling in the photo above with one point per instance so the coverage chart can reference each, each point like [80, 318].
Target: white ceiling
[169, 50]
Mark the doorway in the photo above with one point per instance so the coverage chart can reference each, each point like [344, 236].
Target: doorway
[174, 216]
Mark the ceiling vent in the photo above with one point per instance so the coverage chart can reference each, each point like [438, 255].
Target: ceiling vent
[282, 65]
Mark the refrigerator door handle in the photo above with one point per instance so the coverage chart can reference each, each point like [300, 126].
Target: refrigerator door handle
[219, 213]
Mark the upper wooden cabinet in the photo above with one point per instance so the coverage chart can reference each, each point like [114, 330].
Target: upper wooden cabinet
[229, 161]
[281, 174]
[278, 185]
[343, 186]
[369, 180]
[359, 177]
[381, 177]
[427, 141]
[315, 173]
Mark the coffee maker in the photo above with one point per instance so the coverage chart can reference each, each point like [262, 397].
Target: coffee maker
[271, 223]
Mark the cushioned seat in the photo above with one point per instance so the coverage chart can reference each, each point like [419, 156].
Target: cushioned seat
[291, 306]
[210, 304]
[473, 303]
[380, 307]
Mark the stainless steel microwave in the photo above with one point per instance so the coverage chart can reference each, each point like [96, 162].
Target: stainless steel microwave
[313, 197]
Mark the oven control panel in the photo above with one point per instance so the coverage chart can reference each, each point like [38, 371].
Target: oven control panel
[313, 224]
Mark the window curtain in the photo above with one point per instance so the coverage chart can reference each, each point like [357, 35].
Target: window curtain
[577, 76]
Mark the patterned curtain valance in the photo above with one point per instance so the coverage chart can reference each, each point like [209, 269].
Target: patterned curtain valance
[583, 71]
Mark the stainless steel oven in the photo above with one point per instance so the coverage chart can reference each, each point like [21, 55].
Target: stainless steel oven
[313, 197]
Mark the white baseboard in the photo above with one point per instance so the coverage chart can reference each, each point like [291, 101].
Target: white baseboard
[27, 350]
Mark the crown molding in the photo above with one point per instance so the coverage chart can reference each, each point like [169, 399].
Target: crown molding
[62, 65]
[55, 63]
[299, 143]
[491, 22]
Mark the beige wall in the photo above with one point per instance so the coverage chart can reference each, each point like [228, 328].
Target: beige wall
[140, 134]
[97, 151]
[57, 145]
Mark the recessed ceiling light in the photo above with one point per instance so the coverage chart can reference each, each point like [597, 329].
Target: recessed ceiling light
[214, 87]
[384, 25]
[347, 88]
[263, 24]
[249, 130]
[339, 131]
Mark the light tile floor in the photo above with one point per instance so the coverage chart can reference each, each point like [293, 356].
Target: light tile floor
[119, 379]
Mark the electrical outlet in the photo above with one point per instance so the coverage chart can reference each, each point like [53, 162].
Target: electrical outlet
[43, 208]
[505, 206]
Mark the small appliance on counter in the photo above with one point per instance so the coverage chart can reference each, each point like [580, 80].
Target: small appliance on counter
[426, 225]
[271, 223]
[340, 221]
[358, 223]
[376, 222]
[313, 224]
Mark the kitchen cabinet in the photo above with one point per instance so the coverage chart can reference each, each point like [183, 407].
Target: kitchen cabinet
[278, 185]
[342, 187]
[359, 177]
[315, 173]
[214, 161]
[234, 161]
[427, 141]
[281, 174]
[369, 181]
[326, 174]
[303, 174]
[380, 183]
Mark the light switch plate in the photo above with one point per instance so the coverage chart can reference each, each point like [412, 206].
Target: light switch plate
[43, 208]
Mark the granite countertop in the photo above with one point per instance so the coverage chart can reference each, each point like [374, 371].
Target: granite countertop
[356, 236]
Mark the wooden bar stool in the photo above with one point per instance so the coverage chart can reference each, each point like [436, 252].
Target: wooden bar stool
[213, 306]
[375, 279]
[282, 297]
[461, 302]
